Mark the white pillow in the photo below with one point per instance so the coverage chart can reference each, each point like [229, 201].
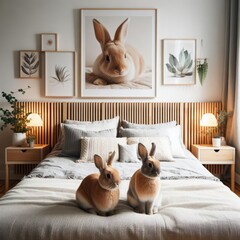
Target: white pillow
[127, 124]
[86, 125]
[73, 134]
[128, 153]
[103, 146]
[173, 133]
[97, 125]
[163, 146]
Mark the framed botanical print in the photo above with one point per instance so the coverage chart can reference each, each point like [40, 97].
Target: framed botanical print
[60, 74]
[179, 61]
[49, 42]
[29, 64]
[118, 53]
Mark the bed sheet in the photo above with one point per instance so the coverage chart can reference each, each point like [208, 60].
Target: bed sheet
[195, 205]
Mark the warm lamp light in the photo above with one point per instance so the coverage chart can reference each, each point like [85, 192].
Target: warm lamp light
[35, 120]
[208, 120]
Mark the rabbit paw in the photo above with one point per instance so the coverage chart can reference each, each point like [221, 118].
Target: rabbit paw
[100, 81]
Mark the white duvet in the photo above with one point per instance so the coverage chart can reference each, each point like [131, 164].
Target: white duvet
[194, 206]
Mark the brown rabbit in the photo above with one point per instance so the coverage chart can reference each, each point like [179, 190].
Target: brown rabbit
[144, 188]
[99, 193]
[118, 61]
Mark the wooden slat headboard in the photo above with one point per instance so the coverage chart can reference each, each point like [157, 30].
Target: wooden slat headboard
[187, 114]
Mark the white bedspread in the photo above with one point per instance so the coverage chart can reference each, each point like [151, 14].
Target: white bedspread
[193, 207]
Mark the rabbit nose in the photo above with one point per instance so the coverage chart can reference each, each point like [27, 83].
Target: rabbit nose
[120, 71]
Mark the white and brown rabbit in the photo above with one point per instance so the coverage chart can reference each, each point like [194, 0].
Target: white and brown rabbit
[144, 188]
[99, 193]
[118, 62]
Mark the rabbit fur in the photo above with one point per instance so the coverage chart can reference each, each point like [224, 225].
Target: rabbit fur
[99, 193]
[144, 187]
[118, 62]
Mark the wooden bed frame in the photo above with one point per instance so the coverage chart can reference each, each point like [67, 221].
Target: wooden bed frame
[187, 114]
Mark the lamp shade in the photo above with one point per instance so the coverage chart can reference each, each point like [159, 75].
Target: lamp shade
[208, 120]
[35, 120]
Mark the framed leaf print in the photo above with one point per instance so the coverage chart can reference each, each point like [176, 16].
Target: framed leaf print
[49, 42]
[60, 74]
[179, 61]
[29, 64]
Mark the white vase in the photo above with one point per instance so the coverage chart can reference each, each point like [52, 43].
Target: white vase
[216, 142]
[19, 139]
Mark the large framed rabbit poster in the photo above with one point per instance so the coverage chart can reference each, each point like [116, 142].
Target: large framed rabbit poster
[118, 53]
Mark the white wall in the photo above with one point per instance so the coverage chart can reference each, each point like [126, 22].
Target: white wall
[22, 21]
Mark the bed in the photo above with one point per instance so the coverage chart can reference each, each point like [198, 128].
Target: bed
[194, 203]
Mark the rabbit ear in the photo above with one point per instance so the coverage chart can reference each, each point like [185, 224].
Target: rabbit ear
[99, 163]
[121, 32]
[101, 33]
[110, 159]
[153, 149]
[143, 153]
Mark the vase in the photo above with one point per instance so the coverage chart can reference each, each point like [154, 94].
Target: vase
[19, 139]
[216, 142]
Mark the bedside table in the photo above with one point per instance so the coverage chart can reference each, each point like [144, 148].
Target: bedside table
[223, 155]
[24, 155]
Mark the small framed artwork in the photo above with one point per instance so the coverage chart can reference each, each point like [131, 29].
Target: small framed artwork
[123, 70]
[49, 42]
[179, 61]
[29, 64]
[60, 74]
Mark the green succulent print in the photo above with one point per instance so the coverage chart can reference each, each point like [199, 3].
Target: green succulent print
[182, 66]
[62, 74]
[30, 64]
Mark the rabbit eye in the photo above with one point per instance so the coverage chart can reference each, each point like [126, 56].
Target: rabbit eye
[108, 175]
[125, 55]
[107, 58]
[150, 165]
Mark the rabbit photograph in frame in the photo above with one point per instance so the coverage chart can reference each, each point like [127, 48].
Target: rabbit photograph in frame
[117, 57]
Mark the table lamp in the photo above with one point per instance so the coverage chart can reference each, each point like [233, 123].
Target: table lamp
[210, 122]
[34, 121]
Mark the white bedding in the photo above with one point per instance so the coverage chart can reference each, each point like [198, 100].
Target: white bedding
[195, 205]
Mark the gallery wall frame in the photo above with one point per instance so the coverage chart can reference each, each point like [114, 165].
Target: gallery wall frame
[29, 61]
[49, 42]
[60, 74]
[179, 61]
[101, 73]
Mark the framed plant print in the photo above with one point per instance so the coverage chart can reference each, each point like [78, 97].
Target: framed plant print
[179, 61]
[49, 42]
[29, 64]
[60, 74]
[127, 66]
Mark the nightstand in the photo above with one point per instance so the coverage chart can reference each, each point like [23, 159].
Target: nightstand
[24, 155]
[223, 155]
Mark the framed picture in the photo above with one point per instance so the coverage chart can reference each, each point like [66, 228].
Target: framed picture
[49, 42]
[179, 61]
[60, 74]
[127, 67]
[29, 64]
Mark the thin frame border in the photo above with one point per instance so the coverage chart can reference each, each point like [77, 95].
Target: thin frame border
[56, 42]
[39, 66]
[155, 57]
[75, 73]
[163, 63]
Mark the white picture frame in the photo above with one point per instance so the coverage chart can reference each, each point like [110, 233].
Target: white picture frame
[179, 61]
[49, 42]
[60, 74]
[139, 87]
